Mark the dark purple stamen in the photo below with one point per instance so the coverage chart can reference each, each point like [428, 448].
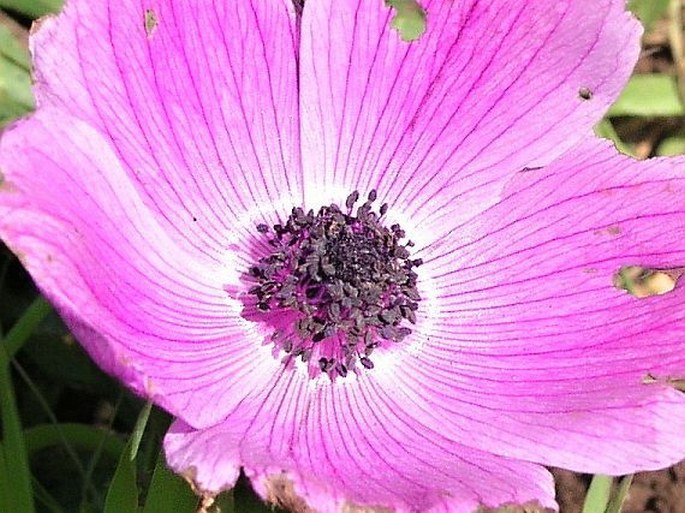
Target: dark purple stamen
[349, 279]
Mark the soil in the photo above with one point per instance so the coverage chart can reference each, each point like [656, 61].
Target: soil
[651, 492]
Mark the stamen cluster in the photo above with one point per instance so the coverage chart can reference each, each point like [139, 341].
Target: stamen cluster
[349, 280]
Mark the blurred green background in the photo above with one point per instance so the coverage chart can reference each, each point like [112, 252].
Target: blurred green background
[74, 441]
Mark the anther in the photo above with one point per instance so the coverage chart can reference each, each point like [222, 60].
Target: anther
[351, 200]
[368, 364]
[346, 281]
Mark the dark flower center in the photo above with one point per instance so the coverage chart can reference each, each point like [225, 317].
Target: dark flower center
[345, 283]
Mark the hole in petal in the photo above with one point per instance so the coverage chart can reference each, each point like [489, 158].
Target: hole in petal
[150, 22]
[643, 282]
[409, 20]
[676, 382]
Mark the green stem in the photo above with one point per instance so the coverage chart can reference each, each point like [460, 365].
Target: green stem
[17, 468]
[616, 503]
[23, 328]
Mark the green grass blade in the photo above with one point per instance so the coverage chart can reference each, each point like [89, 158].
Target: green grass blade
[621, 494]
[16, 459]
[122, 495]
[22, 329]
[50, 414]
[48, 502]
[139, 429]
[169, 492]
[14, 449]
[31, 8]
[79, 436]
[4, 483]
[598, 494]
[95, 457]
[649, 95]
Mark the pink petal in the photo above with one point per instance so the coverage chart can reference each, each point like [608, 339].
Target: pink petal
[148, 309]
[200, 106]
[530, 351]
[491, 88]
[345, 444]
[167, 141]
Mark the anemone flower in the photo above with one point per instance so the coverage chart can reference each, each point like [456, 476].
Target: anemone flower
[376, 272]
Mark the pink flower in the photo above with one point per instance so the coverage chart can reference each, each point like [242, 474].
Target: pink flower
[171, 138]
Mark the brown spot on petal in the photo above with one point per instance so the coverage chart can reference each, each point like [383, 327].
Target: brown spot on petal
[585, 93]
[353, 508]
[150, 387]
[151, 22]
[190, 474]
[528, 507]
[611, 230]
[38, 24]
[5, 186]
[206, 498]
[676, 382]
[281, 492]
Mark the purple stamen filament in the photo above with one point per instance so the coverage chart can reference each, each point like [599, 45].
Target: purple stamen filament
[348, 280]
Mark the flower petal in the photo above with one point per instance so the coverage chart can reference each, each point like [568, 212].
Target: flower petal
[347, 445]
[532, 352]
[148, 309]
[198, 99]
[437, 125]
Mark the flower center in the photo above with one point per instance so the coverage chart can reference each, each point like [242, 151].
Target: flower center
[338, 284]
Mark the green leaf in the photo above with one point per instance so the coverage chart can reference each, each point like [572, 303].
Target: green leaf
[47, 500]
[79, 436]
[122, 495]
[649, 95]
[225, 503]
[14, 450]
[409, 19]
[648, 11]
[169, 492]
[58, 357]
[245, 500]
[16, 98]
[4, 482]
[22, 329]
[32, 8]
[17, 468]
[139, 429]
[598, 494]
[621, 494]
[671, 146]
